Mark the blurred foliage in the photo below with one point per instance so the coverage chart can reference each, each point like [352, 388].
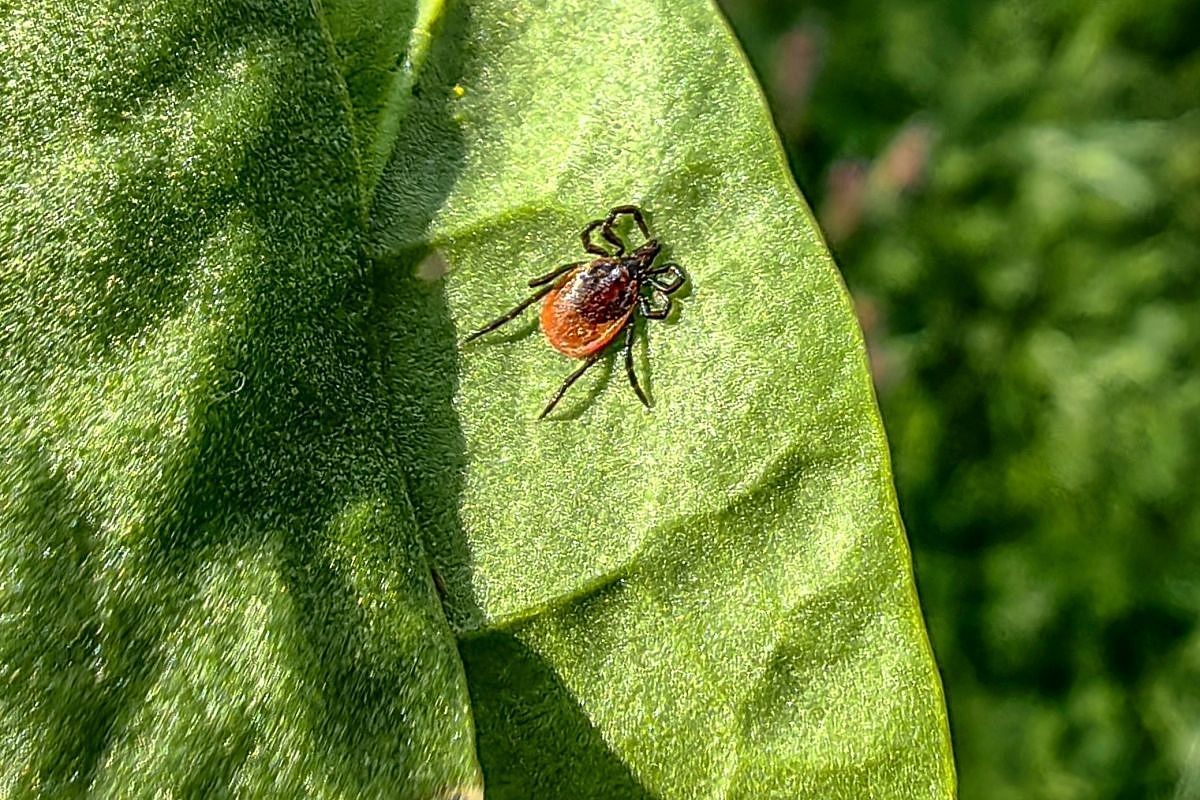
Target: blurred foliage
[1013, 193]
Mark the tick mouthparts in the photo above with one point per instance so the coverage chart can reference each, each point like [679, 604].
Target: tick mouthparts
[648, 251]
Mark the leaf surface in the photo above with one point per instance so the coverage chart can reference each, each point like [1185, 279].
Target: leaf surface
[212, 578]
[712, 599]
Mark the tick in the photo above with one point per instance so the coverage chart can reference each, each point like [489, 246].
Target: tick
[588, 304]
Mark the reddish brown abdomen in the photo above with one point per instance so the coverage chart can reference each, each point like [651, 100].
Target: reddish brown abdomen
[584, 313]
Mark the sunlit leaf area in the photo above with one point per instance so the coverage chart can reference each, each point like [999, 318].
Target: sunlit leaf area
[1012, 191]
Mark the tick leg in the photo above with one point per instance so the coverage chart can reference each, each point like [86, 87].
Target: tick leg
[611, 220]
[513, 314]
[574, 376]
[677, 279]
[633, 381]
[632, 211]
[549, 276]
[586, 236]
[649, 311]
[611, 236]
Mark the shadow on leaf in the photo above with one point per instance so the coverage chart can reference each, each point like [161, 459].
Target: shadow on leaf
[534, 740]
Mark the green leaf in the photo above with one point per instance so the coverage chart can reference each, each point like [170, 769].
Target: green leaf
[713, 599]
[212, 579]
[241, 434]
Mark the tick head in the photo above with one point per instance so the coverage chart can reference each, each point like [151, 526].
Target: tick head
[644, 256]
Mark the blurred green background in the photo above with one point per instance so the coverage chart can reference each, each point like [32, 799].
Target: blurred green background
[1012, 190]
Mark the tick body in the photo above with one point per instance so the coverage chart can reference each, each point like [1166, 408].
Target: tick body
[586, 305]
